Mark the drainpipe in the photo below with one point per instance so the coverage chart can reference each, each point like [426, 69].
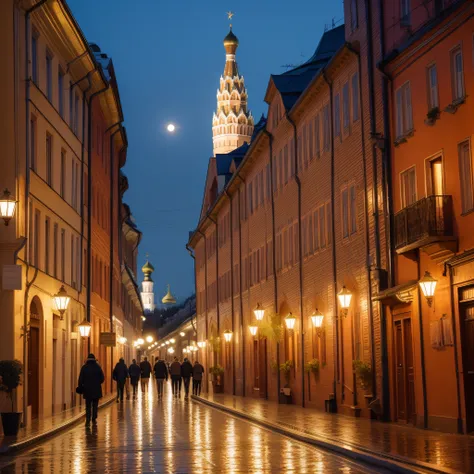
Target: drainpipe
[300, 241]
[89, 207]
[27, 196]
[205, 285]
[232, 285]
[333, 234]
[275, 276]
[240, 290]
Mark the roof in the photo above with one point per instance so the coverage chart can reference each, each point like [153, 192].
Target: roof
[224, 160]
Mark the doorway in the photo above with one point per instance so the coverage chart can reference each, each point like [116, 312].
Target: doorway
[262, 364]
[404, 369]
[467, 343]
[34, 357]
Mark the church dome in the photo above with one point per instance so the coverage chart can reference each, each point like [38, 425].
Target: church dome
[168, 298]
[231, 39]
[148, 267]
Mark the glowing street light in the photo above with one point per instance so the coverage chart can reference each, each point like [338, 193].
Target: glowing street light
[428, 286]
[85, 328]
[253, 330]
[143, 318]
[7, 207]
[140, 342]
[149, 339]
[259, 312]
[227, 335]
[61, 300]
[167, 343]
[317, 319]
[122, 340]
[182, 334]
[171, 350]
[345, 297]
[172, 340]
[290, 321]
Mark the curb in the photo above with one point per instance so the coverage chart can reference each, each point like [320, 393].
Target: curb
[390, 462]
[14, 447]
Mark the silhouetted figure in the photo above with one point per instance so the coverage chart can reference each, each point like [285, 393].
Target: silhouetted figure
[198, 370]
[134, 372]
[90, 383]
[175, 372]
[161, 374]
[120, 375]
[145, 368]
[186, 373]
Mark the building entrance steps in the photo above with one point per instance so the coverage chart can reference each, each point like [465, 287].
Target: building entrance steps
[42, 428]
[387, 445]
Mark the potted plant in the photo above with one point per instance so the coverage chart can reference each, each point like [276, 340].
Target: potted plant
[217, 372]
[432, 116]
[312, 366]
[285, 369]
[363, 371]
[10, 372]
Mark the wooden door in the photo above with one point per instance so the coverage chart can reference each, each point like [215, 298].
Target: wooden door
[33, 371]
[467, 340]
[262, 376]
[404, 370]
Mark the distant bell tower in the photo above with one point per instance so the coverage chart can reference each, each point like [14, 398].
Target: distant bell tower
[148, 297]
[232, 124]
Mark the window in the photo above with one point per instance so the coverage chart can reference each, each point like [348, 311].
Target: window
[62, 184]
[465, 175]
[408, 186]
[326, 130]
[405, 13]
[46, 244]
[37, 238]
[317, 144]
[305, 146]
[434, 176]
[49, 159]
[33, 159]
[250, 197]
[432, 87]
[55, 251]
[73, 268]
[49, 76]
[345, 212]
[457, 74]
[71, 105]
[63, 254]
[355, 97]
[353, 209]
[61, 92]
[404, 112]
[354, 19]
[328, 222]
[315, 230]
[268, 178]
[280, 170]
[292, 158]
[285, 159]
[337, 116]
[34, 58]
[322, 227]
[310, 141]
[345, 106]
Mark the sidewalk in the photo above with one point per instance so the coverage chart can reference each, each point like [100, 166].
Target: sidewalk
[387, 445]
[41, 429]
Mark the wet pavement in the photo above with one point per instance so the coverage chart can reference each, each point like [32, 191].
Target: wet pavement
[173, 436]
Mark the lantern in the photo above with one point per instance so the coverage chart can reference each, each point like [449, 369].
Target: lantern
[259, 312]
[85, 328]
[182, 334]
[171, 350]
[317, 319]
[227, 335]
[167, 343]
[143, 318]
[290, 321]
[122, 340]
[61, 300]
[149, 339]
[428, 286]
[172, 341]
[140, 341]
[7, 207]
[344, 299]
[253, 330]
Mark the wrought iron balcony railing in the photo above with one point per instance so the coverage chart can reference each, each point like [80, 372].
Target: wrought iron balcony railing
[424, 222]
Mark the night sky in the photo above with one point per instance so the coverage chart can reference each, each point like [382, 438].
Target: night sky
[168, 57]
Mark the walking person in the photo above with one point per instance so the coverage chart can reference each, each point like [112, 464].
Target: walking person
[89, 385]
[175, 372]
[145, 372]
[134, 373]
[161, 374]
[120, 375]
[198, 370]
[186, 373]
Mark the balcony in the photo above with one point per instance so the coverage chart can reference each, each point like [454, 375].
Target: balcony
[426, 224]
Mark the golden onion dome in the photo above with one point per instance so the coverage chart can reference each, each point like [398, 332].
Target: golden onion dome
[168, 298]
[231, 39]
[148, 267]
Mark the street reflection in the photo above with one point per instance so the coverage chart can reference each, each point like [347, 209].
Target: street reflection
[171, 435]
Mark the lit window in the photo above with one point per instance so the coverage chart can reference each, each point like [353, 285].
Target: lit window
[408, 186]
[404, 111]
[432, 87]
[457, 74]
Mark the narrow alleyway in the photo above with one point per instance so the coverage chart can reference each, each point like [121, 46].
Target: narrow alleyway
[172, 436]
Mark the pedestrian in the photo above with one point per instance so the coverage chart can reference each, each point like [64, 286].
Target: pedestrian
[161, 374]
[89, 385]
[134, 373]
[175, 372]
[198, 370]
[145, 372]
[120, 375]
[186, 373]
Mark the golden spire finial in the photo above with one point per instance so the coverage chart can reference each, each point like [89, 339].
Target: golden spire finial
[230, 14]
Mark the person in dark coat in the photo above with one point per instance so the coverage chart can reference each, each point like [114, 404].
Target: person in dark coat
[90, 383]
[145, 368]
[198, 370]
[161, 374]
[120, 375]
[186, 373]
[175, 372]
[134, 373]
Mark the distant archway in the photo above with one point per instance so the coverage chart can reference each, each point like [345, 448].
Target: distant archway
[34, 366]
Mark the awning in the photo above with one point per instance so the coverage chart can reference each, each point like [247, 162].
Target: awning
[397, 294]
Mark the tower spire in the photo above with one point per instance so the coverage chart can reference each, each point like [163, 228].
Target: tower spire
[148, 296]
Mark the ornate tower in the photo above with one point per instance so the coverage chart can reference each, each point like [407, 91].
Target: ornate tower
[148, 297]
[232, 124]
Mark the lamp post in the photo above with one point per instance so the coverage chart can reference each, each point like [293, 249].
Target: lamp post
[290, 321]
[428, 286]
[253, 330]
[85, 329]
[317, 319]
[7, 206]
[344, 297]
[61, 300]
[259, 312]
[227, 335]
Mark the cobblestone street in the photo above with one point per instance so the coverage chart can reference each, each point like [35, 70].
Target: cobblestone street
[172, 436]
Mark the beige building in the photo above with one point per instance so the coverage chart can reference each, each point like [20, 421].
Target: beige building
[45, 95]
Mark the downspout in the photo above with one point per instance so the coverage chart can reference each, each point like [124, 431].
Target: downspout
[240, 289]
[275, 276]
[300, 241]
[207, 318]
[334, 254]
[27, 196]
[232, 284]
[89, 207]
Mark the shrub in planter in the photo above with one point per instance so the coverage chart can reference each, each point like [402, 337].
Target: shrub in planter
[217, 371]
[312, 366]
[285, 369]
[10, 373]
[363, 371]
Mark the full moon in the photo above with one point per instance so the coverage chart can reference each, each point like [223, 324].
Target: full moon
[171, 127]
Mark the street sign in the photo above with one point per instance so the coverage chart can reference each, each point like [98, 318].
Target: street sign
[107, 339]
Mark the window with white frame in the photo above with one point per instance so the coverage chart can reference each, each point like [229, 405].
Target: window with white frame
[337, 115]
[49, 159]
[34, 58]
[49, 76]
[61, 92]
[433, 101]
[404, 110]
[457, 73]
[465, 176]
[345, 106]
[355, 96]
[408, 186]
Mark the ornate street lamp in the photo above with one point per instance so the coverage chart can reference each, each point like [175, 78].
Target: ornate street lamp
[149, 339]
[227, 335]
[122, 340]
[317, 319]
[345, 297]
[172, 340]
[140, 342]
[182, 334]
[428, 286]
[61, 300]
[7, 206]
[85, 328]
[171, 350]
[290, 321]
[253, 330]
[259, 312]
